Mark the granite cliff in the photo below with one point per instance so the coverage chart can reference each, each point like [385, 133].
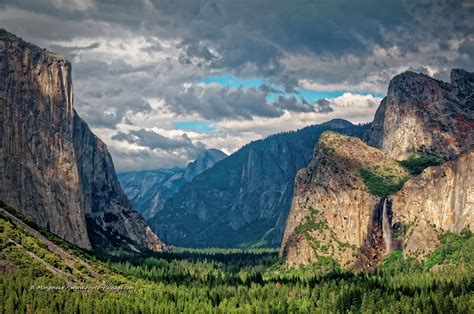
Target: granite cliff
[420, 112]
[52, 167]
[440, 199]
[334, 213]
[357, 203]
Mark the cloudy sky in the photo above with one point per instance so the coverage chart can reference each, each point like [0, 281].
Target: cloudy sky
[161, 80]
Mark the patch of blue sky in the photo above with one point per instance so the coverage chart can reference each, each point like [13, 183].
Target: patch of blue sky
[195, 126]
[309, 95]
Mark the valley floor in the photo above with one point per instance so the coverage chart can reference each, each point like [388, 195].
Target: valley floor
[41, 273]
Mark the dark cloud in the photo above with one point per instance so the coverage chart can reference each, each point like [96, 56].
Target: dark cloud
[154, 140]
[265, 88]
[256, 36]
[324, 106]
[219, 103]
[126, 54]
[110, 107]
[294, 105]
[71, 51]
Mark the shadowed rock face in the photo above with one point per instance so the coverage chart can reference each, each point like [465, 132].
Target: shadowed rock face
[421, 112]
[52, 167]
[379, 240]
[148, 190]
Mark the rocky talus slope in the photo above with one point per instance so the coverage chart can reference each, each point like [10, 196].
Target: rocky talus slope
[356, 203]
[52, 167]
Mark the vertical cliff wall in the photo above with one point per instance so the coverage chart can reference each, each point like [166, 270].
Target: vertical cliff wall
[440, 199]
[38, 173]
[421, 112]
[52, 167]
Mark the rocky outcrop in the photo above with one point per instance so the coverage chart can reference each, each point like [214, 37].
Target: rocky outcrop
[422, 121]
[333, 212]
[52, 167]
[440, 199]
[148, 190]
[423, 114]
[420, 112]
[244, 199]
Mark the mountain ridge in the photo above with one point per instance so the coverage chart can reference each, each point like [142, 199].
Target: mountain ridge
[244, 199]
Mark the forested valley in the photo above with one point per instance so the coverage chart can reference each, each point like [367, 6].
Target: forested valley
[41, 280]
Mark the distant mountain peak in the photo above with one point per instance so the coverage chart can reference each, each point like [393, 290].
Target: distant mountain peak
[149, 189]
[211, 153]
[205, 160]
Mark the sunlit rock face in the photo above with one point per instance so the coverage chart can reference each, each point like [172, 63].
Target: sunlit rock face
[335, 214]
[52, 167]
[440, 199]
[421, 112]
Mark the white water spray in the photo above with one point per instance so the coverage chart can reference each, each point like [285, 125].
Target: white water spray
[386, 229]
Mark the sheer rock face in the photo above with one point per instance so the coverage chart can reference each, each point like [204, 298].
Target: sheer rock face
[52, 167]
[421, 112]
[332, 210]
[439, 199]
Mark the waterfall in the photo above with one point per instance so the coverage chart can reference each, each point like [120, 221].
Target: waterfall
[386, 229]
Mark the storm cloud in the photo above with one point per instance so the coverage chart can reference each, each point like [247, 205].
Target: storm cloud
[138, 66]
